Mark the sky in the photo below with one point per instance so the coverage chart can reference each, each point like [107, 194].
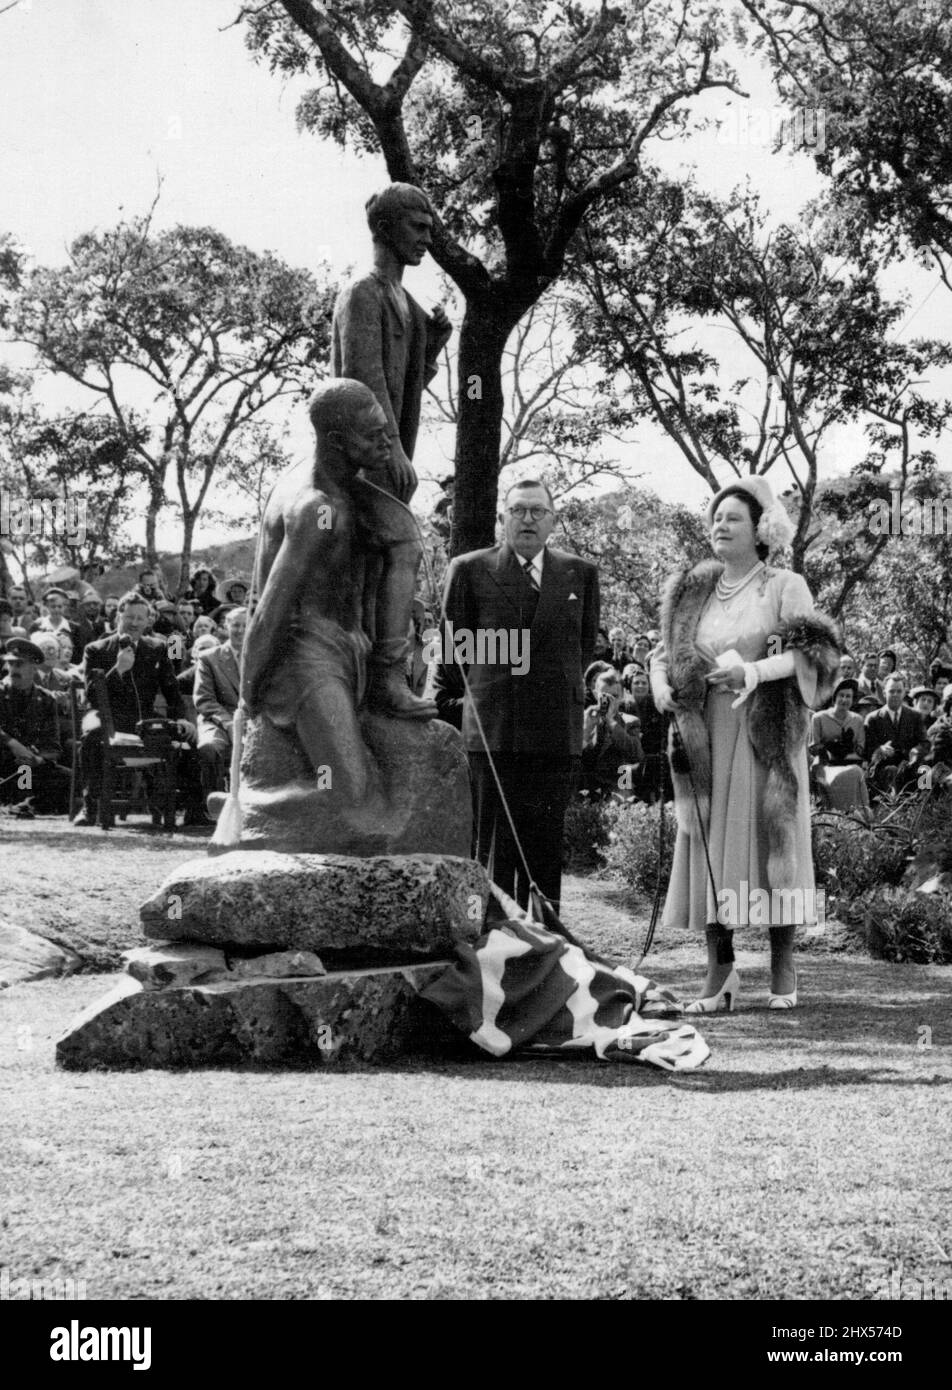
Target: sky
[100, 101]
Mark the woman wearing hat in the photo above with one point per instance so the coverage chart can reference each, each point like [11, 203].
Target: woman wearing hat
[743, 658]
[837, 743]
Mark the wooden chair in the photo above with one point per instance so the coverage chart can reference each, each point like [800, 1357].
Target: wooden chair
[122, 753]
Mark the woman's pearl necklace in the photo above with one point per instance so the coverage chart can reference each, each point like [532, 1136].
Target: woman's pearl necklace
[726, 591]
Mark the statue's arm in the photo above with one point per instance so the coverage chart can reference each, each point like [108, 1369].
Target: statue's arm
[269, 625]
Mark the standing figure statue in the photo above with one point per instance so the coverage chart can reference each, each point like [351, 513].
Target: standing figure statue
[383, 338]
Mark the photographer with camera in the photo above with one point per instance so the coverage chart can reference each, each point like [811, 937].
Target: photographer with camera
[136, 669]
[610, 741]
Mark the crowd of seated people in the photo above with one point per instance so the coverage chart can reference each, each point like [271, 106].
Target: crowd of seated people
[152, 655]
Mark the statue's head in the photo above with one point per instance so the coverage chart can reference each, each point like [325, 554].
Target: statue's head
[400, 216]
[350, 423]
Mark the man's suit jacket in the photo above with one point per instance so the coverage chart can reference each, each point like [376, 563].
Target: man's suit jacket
[33, 722]
[217, 679]
[880, 729]
[370, 343]
[541, 710]
[132, 696]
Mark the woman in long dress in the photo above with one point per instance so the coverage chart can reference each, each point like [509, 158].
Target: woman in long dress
[742, 660]
[837, 742]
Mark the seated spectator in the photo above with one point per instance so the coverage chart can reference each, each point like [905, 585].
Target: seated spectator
[441, 518]
[202, 591]
[236, 596]
[31, 777]
[205, 626]
[867, 682]
[18, 601]
[166, 619]
[924, 702]
[90, 621]
[620, 655]
[603, 646]
[7, 629]
[185, 679]
[592, 672]
[939, 677]
[641, 649]
[417, 665]
[58, 677]
[55, 620]
[837, 744]
[610, 742]
[136, 670]
[887, 665]
[151, 585]
[217, 683]
[895, 743]
[939, 757]
[653, 776]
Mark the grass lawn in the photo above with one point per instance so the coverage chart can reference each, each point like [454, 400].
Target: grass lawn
[808, 1158]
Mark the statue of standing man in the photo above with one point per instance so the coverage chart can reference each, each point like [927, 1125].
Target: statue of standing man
[382, 337]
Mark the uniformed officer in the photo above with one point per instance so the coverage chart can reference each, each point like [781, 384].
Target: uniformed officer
[30, 777]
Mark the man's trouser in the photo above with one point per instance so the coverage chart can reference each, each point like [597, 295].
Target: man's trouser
[537, 789]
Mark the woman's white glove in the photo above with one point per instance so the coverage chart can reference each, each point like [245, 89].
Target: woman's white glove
[770, 668]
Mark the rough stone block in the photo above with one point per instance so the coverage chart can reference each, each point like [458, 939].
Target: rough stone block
[390, 909]
[360, 1016]
[424, 782]
[26, 956]
[174, 963]
[277, 965]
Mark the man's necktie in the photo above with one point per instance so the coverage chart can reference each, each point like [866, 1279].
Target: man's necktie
[530, 574]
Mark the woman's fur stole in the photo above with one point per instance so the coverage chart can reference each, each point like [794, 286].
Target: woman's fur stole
[777, 718]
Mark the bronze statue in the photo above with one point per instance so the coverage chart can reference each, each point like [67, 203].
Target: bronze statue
[321, 770]
[305, 658]
[383, 338]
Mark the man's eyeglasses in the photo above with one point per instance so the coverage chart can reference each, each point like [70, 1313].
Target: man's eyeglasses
[537, 513]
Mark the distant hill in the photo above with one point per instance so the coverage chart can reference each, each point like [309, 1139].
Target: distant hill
[232, 560]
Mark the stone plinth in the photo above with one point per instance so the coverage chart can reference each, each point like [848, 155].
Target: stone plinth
[393, 909]
[359, 1016]
[425, 804]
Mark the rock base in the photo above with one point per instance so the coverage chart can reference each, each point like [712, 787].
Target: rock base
[358, 1016]
[386, 910]
[424, 803]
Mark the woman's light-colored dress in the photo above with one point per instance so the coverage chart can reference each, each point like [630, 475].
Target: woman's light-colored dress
[844, 784]
[737, 837]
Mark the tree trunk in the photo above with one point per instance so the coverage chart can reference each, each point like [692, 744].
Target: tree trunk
[188, 534]
[156, 500]
[482, 339]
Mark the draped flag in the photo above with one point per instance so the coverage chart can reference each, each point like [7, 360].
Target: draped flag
[522, 986]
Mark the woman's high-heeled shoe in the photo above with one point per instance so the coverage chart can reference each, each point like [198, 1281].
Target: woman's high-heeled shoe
[721, 1002]
[784, 1001]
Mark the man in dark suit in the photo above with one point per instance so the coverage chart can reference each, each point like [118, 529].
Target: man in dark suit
[30, 777]
[217, 684]
[521, 621]
[136, 668]
[895, 741]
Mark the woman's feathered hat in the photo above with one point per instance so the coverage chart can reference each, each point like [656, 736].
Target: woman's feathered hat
[775, 529]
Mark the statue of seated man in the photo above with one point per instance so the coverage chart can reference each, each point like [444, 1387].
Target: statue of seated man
[306, 649]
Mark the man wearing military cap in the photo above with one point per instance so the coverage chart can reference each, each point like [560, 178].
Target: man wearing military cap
[57, 602]
[30, 779]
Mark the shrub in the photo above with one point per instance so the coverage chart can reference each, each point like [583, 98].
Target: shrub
[898, 925]
[631, 854]
[585, 834]
[849, 858]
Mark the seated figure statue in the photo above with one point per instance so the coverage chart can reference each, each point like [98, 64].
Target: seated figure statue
[318, 772]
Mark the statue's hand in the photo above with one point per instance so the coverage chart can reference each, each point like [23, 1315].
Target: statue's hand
[442, 329]
[402, 475]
